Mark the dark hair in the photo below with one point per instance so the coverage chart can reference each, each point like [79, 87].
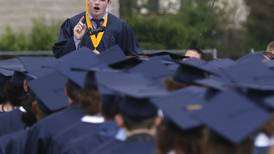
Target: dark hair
[3, 89]
[131, 124]
[73, 91]
[268, 128]
[172, 85]
[217, 145]
[170, 137]
[198, 50]
[110, 106]
[15, 94]
[90, 101]
[28, 117]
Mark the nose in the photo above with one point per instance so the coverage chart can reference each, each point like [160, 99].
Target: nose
[96, 1]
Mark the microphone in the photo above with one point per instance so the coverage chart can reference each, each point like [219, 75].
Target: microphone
[91, 31]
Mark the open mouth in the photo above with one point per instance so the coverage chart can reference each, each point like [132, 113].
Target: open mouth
[96, 8]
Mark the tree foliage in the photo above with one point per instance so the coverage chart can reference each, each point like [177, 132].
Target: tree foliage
[192, 26]
[260, 24]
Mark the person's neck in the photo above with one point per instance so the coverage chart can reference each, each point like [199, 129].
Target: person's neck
[151, 132]
[98, 17]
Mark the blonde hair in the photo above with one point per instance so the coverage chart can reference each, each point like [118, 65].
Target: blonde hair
[270, 47]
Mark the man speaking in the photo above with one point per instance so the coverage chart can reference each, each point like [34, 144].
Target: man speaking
[96, 29]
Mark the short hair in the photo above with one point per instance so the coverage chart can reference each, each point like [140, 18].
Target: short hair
[131, 124]
[172, 85]
[90, 101]
[270, 47]
[198, 50]
[73, 91]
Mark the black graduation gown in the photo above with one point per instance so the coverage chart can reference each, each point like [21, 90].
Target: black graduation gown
[117, 32]
[107, 132]
[136, 144]
[40, 135]
[13, 143]
[11, 122]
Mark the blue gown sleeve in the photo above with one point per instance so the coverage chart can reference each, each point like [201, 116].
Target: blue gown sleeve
[65, 43]
[128, 42]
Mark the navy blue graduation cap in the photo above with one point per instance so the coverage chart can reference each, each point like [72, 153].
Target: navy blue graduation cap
[269, 63]
[152, 68]
[252, 57]
[112, 55]
[6, 73]
[248, 70]
[82, 58]
[49, 91]
[38, 66]
[12, 64]
[14, 68]
[136, 91]
[222, 63]
[190, 70]
[167, 56]
[212, 83]
[122, 79]
[232, 116]
[18, 78]
[76, 65]
[126, 63]
[269, 102]
[179, 107]
[252, 74]
[136, 104]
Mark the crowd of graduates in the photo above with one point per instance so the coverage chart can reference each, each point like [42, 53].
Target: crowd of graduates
[161, 103]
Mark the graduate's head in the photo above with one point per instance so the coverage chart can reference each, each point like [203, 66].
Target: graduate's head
[194, 53]
[98, 8]
[72, 90]
[137, 113]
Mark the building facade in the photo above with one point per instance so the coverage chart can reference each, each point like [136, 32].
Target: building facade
[18, 14]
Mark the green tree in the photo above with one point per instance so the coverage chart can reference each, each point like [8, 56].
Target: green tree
[192, 26]
[260, 23]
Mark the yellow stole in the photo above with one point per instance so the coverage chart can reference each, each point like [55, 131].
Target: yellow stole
[95, 40]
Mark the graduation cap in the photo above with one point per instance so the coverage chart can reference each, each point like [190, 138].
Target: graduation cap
[269, 64]
[112, 55]
[135, 91]
[222, 63]
[152, 68]
[252, 57]
[49, 91]
[269, 102]
[212, 83]
[167, 55]
[75, 65]
[190, 70]
[126, 63]
[12, 64]
[18, 79]
[248, 72]
[136, 104]
[38, 66]
[122, 79]
[179, 107]
[232, 116]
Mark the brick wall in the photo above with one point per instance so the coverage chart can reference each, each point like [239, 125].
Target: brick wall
[18, 14]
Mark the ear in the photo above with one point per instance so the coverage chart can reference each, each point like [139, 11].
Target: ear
[119, 120]
[34, 107]
[158, 121]
[65, 91]
[26, 86]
